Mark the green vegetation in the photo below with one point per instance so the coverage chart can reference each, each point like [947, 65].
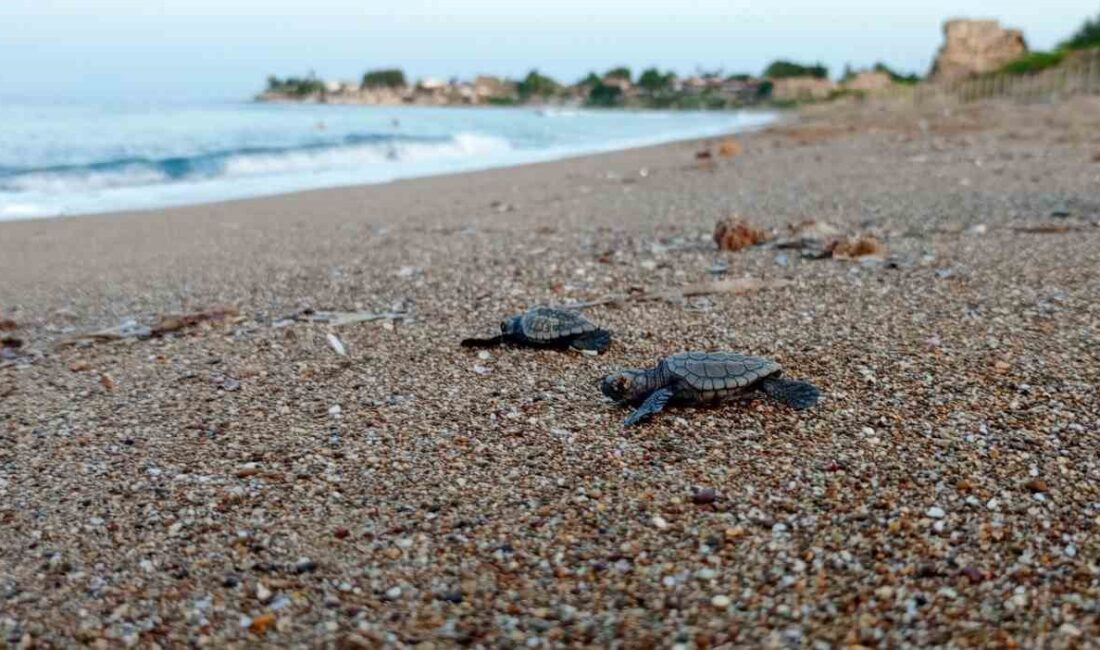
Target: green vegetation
[622, 72]
[1033, 62]
[384, 78]
[536, 85]
[591, 80]
[295, 86]
[782, 69]
[1086, 36]
[605, 96]
[897, 77]
[653, 81]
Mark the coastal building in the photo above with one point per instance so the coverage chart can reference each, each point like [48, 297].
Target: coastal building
[804, 88]
[869, 81]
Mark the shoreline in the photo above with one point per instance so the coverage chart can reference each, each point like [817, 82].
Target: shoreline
[215, 189]
[248, 481]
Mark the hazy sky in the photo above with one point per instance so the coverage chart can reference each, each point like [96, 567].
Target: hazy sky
[225, 48]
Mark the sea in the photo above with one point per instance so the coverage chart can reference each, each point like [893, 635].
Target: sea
[83, 158]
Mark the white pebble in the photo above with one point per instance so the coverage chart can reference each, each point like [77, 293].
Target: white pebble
[936, 512]
[335, 410]
[484, 355]
[660, 522]
[393, 593]
[720, 601]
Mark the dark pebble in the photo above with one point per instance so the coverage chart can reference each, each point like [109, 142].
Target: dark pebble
[454, 597]
[704, 496]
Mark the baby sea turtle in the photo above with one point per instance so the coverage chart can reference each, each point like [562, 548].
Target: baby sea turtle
[548, 327]
[698, 377]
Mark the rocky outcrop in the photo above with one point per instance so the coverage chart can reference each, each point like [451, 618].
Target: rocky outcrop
[975, 46]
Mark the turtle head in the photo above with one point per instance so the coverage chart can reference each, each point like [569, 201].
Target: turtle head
[624, 386]
[511, 325]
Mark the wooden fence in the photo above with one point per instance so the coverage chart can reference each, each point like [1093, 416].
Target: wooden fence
[1078, 74]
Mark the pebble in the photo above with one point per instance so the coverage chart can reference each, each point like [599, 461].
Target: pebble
[720, 601]
[703, 496]
[263, 594]
[936, 512]
[305, 565]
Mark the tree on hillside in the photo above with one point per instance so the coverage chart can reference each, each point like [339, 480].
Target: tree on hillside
[621, 72]
[652, 80]
[591, 80]
[896, 77]
[384, 78]
[536, 85]
[781, 69]
[604, 95]
[1088, 35]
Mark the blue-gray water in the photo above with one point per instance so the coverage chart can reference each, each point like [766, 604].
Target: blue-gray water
[80, 158]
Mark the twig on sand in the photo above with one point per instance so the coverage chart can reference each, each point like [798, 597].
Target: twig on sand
[339, 318]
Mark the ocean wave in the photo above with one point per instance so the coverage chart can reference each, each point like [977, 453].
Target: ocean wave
[350, 152]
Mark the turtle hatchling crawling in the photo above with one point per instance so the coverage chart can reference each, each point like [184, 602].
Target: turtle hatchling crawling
[548, 327]
[699, 377]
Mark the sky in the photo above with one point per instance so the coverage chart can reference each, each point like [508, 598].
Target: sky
[196, 49]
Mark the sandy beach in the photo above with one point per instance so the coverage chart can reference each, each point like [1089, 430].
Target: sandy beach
[240, 482]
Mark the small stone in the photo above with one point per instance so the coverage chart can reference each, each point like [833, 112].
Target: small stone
[660, 522]
[1070, 550]
[736, 532]
[393, 593]
[484, 355]
[1036, 485]
[482, 370]
[936, 512]
[973, 574]
[341, 533]
[261, 623]
[305, 565]
[703, 496]
[720, 601]
[80, 365]
[335, 410]
[453, 597]
[263, 594]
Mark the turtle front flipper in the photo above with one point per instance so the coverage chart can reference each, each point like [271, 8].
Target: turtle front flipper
[652, 405]
[795, 394]
[598, 340]
[483, 343]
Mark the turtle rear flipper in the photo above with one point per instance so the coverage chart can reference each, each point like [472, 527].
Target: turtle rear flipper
[597, 340]
[795, 394]
[482, 343]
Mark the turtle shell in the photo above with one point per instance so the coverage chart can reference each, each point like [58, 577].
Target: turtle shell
[547, 324]
[719, 372]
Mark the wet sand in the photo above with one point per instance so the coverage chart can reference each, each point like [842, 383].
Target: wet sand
[241, 480]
